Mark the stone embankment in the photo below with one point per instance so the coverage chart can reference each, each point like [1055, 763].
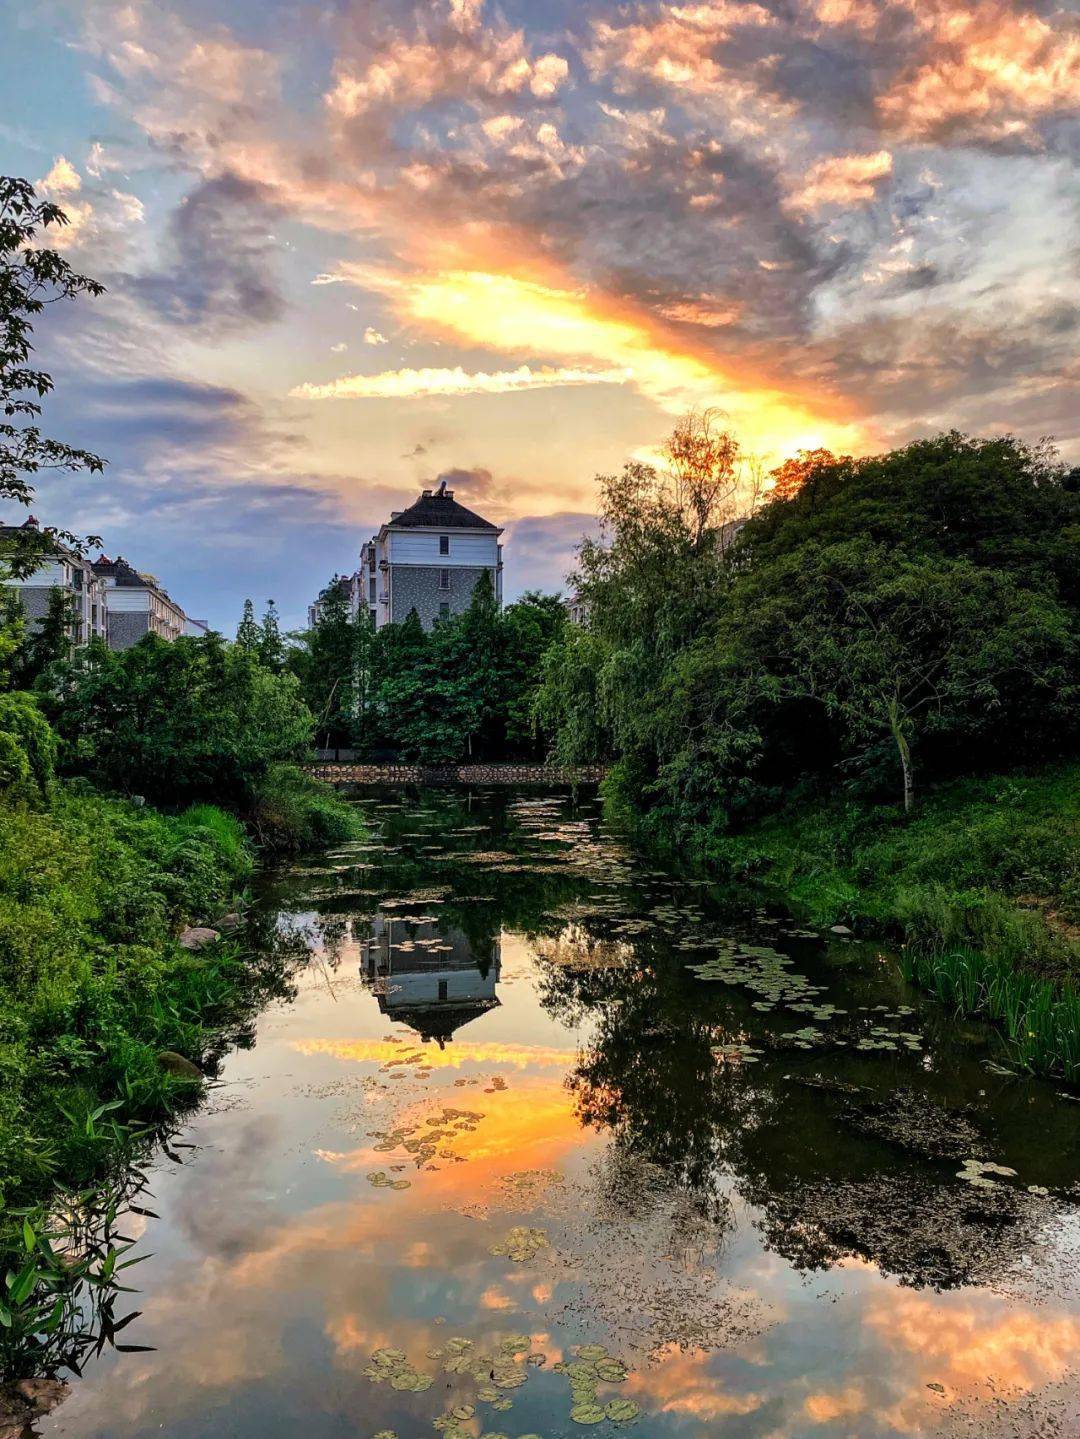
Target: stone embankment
[546, 774]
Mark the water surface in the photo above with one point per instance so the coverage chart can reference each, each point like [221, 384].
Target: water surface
[547, 1141]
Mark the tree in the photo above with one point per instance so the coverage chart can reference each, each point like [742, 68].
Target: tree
[175, 722]
[51, 640]
[908, 615]
[915, 649]
[796, 473]
[331, 663]
[31, 277]
[530, 627]
[247, 631]
[271, 647]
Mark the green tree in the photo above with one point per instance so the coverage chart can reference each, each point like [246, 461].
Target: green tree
[907, 614]
[271, 646]
[50, 640]
[331, 663]
[248, 635]
[31, 277]
[194, 719]
[530, 627]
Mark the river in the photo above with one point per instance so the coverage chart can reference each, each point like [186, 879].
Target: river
[543, 1140]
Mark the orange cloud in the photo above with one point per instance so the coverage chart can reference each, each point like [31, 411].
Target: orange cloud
[465, 61]
[842, 1404]
[674, 48]
[410, 384]
[988, 73]
[514, 313]
[842, 180]
[682, 1385]
[967, 1342]
[378, 1051]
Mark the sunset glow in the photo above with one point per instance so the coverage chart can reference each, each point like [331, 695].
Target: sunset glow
[512, 244]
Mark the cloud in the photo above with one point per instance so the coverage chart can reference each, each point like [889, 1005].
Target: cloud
[448, 56]
[221, 258]
[373, 337]
[411, 384]
[985, 73]
[540, 550]
[842, 180]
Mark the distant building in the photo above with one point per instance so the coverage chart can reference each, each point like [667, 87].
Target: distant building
[428, 558]
[577, 610]
[70, 573]
[350, 586]
[137, 605]
[195, 629]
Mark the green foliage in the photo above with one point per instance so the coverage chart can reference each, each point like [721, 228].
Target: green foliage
[43, 644]
[910, 614]
[983, 883]
[27, 749]
[92, 982]
[247, 631]
[331, 664]
[178, 722]
[467, 690]
[292, 812]
[271, 646]
[31, 277]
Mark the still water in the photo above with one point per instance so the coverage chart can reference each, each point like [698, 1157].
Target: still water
[544, 1141]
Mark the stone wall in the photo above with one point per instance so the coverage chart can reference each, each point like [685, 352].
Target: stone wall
[127, 628]
[416, 587]
[458, 774]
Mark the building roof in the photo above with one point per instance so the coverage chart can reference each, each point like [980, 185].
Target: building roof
[121, 573]
[126, 576]
[440, 511]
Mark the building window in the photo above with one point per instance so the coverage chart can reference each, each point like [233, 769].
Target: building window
[444, 579]
[444, 610]
[444, 544]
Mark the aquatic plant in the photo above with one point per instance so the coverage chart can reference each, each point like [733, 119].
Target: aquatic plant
[1041, 1020]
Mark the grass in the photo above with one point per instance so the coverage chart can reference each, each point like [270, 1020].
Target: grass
[982, 885]
[293, 811]
[93, 984]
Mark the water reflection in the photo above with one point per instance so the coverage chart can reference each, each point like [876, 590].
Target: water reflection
[612, 1108]
[433, 978]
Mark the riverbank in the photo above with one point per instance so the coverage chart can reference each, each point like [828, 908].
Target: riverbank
[982, 885]
[97, 984]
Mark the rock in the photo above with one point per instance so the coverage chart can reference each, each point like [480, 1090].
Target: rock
[42, 1394]
[176, 1065]
[840, 929]
[229, 922]
[198, 937]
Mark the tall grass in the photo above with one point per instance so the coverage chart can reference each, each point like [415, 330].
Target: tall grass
[1041, 1020]
[93, 984]
[982, 885]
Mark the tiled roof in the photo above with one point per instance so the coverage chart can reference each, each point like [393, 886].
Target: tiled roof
[440, 511]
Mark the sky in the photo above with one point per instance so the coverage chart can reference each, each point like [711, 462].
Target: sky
[354, 246]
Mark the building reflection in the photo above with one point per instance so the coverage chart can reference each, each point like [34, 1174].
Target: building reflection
[436, 980]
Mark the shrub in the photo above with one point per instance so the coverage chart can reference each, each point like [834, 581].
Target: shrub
[27, 748]
[293, 812]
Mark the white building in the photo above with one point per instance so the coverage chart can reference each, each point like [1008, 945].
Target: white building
[428, 558]
[137, 605]
[70, 573]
